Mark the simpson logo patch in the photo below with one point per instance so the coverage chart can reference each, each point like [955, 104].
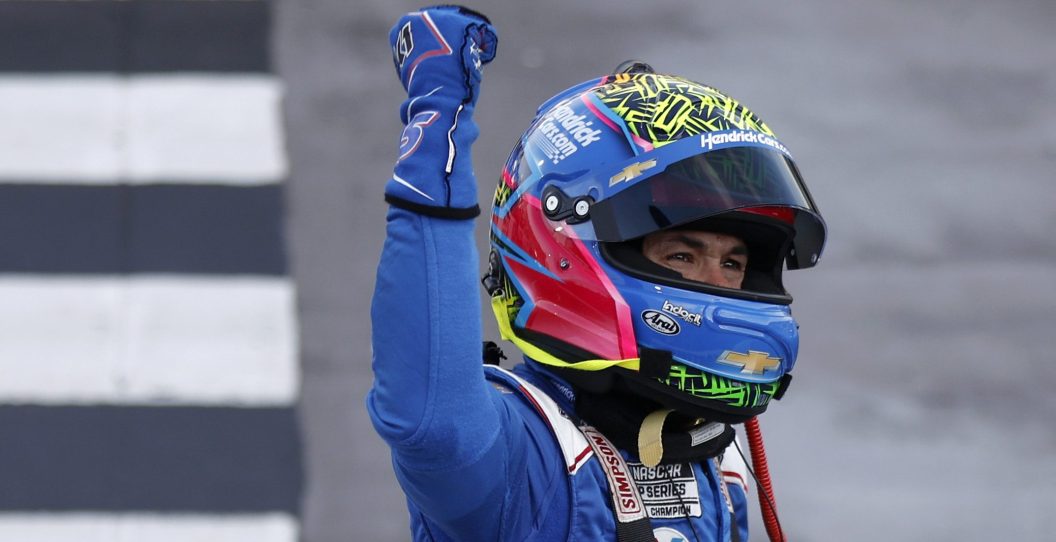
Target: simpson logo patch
[625, 496]
[668, 491]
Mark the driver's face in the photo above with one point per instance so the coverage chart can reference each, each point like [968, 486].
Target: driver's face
[712, 258]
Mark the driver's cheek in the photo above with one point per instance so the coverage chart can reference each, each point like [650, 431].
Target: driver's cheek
[734, 278]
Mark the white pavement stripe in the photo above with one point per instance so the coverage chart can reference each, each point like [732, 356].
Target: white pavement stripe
[104, 129]
[145, 527]
[148, 340]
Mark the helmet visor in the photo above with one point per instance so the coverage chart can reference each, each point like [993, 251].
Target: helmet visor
[710, 183]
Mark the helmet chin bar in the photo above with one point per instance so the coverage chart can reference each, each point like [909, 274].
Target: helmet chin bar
[619, 379]
[652, 381]
[709, 409]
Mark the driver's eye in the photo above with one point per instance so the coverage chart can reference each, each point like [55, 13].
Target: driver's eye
[734, 264]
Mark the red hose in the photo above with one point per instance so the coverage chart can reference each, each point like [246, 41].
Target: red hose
[767, 501]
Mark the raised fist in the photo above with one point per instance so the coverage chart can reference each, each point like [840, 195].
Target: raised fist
[439, 53]
[442, 46]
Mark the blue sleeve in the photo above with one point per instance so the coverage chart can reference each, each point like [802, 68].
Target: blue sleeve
[471, 462]
[429, 389]
[531, 503]
[430, 401]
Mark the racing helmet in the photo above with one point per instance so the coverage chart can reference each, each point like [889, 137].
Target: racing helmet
[610, 161]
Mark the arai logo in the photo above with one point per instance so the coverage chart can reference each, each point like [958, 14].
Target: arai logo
[660, 322]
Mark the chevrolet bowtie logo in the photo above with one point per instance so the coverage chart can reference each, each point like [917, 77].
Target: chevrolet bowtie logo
[631, 172]
[754, 362]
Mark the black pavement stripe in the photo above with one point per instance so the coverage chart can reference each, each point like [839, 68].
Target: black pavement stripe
[135, 36]
[181, 228]
[149, 458]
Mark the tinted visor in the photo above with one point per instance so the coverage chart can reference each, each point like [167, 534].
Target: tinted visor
[711, 183]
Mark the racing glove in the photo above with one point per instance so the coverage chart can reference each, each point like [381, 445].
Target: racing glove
[439, 53]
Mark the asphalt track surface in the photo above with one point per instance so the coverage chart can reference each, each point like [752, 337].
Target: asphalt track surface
[923, 402]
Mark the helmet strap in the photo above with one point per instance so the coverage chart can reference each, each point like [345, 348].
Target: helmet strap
[650, 438]
[651, 441]
[654, 363]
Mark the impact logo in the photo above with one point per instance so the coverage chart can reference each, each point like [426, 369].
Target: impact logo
[660, 322]
[625, 493]
[667, 534]
[404, 45]
[681, 312]
[563, 130]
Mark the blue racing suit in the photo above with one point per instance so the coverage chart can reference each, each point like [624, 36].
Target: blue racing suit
[487, 454]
